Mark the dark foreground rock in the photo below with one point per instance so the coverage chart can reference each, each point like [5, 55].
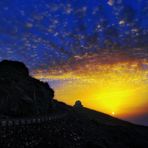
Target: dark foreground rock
[73, 130]
[26, 102]
[20, 94]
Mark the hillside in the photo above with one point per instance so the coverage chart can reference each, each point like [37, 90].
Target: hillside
[20, 94]
[59, 125]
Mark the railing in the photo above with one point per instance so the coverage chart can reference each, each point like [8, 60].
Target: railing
[27, 121]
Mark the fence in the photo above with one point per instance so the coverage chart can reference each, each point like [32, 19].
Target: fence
[26, 121]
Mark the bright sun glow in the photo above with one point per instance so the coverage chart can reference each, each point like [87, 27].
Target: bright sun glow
[113, 113]
[119, 88]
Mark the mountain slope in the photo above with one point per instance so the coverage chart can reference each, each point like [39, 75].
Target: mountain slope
[67, 127]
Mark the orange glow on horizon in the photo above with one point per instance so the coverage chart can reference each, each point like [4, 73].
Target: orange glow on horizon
[117, 89]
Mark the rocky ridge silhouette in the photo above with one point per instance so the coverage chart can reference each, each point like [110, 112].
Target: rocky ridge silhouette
[20, 94]
[22, 97]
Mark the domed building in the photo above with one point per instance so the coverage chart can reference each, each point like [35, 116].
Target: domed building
[78, 104]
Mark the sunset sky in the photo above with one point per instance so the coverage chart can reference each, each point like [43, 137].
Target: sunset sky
[95, 51]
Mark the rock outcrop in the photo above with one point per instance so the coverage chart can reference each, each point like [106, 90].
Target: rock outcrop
[21, 94]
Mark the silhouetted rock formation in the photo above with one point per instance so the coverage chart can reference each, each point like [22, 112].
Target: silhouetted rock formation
[20, 94]
[66, 127]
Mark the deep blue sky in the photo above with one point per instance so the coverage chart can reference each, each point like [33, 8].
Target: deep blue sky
[49, 32]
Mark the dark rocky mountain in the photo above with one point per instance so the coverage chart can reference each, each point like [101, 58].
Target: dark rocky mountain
[86, 128]
[26, 102]
[20, 94]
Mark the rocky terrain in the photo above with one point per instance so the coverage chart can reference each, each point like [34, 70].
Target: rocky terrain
[52, 123]
[20, 94]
